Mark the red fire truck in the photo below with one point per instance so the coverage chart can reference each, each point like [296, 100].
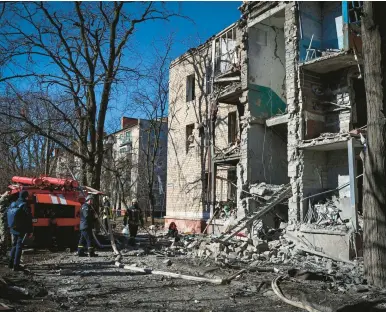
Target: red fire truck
[55, 207]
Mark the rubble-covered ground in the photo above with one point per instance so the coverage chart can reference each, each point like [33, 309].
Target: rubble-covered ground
[60, 281]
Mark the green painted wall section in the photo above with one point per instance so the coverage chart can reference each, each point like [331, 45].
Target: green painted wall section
[264, 102]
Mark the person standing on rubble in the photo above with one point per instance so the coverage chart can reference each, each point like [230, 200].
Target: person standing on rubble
[133, 218]
[19, 220]
[87, 221]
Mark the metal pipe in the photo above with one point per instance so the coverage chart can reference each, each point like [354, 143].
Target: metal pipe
[29, 181]
[59, 182]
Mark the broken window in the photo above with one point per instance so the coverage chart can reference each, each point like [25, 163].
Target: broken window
[208, 82]
[232, 127]
[225, 51]
[206, 185]
[189, 136]
[355, 11]
[232, 183]
[190, 88]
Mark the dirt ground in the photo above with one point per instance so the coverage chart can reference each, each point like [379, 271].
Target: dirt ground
[60, 281]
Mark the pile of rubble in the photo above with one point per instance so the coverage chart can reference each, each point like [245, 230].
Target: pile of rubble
[253, 253]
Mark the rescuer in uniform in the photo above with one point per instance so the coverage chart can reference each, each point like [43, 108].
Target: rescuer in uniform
[87, 220]
[133, 218]
[20, 224]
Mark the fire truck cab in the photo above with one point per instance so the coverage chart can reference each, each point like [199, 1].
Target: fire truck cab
[55, 206]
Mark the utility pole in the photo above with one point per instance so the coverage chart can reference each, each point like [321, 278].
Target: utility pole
[374, 199]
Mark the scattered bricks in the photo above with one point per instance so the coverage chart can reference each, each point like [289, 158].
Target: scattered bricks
[284, 242]
[272, 253]
[192, 245]
[258, 257]
[283, 225]
[202, 246]
[263, 246]
[232, 256]
[274, 244]
[251, 248]
[168, 262]
[244, 246]
[255, 263]
[215, 247]
[238, 250]
[267, 254]
[200, 253]
[329, 265]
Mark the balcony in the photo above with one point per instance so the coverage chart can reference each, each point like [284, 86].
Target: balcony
[227, 77]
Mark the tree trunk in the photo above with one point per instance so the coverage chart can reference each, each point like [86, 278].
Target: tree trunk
[374, 199]
[152, 207]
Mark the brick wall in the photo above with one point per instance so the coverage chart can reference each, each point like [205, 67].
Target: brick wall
[184, 178]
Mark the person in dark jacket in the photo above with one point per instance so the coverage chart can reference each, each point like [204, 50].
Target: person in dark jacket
[133, 218]
[20, 225]
[87, 220]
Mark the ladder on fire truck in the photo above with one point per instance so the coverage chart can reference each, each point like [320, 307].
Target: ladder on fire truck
[274, 200]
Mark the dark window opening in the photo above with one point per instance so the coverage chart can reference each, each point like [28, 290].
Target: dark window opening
[360, 103]
[232, 127]
[189, 136]
[355, 10]
[205, 185]
[190, 88]
[208, 82]
[232, 184]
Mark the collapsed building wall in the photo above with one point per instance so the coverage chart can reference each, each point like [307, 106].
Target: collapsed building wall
[325, 101]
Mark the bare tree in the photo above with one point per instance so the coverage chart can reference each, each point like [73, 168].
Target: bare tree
[78, 51]
[23, 151]
[374, 199]
[151, 96]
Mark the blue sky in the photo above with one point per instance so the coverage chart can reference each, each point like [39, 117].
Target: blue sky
[207, 19]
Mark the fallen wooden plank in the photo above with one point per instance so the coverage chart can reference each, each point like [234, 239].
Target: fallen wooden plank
[216, 281]
[211, 219]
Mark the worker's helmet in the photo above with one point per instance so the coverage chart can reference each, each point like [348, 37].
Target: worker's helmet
[89, 197]
[134, 201]
[105, 198]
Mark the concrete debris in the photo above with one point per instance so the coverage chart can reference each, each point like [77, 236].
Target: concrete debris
[264, 189]
[327, 212]
[168, 262]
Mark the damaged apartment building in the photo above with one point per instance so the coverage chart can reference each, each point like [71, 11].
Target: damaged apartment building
[219, 148]
[285, 105]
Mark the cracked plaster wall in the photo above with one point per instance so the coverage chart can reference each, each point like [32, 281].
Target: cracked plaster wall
[266, 70]
[263, 153]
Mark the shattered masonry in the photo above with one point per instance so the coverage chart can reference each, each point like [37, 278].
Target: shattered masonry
[291, 72]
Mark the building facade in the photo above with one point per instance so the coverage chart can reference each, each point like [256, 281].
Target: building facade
[136, 156]
[221, 93]
[283, 100]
